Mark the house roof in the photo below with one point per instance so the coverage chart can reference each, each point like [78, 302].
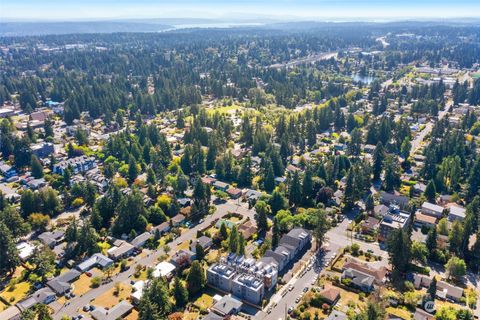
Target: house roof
[178, 218]
[61, 284]
[118, 311]
[10, 313]
[457, 211]
[423, 218]
[163, 269]
[96, 259]
[432, 207]
[212, 316]
[330, 294]
[422, 315]
[359, 278]
[140, 239]
[227, 305]
[378, 274]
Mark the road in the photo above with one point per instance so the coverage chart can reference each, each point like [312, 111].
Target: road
[417, 142]
[76, 304]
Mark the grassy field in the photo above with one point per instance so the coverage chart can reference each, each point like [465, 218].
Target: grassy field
[18, 293]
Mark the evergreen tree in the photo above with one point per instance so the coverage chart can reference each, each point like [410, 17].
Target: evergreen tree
[200, 253]
[9, 259]
[378, 157]
[432, 289]
[277, 202]
[233, 239]
[275, 233]
[132, 169]
[392, 173]
[295, 190]
[241, 244]
[399, 248]
[37, 167]
[245, 173]
[223, 231]
[431, 241]
[307, 186]
[430, 191]
[269, 178]
[180, 294]
[196, 279]
[262, 209]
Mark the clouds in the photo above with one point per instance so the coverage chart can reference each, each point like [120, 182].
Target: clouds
[291, 9]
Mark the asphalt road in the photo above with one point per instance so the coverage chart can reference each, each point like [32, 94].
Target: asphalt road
[74, 306]
[417, 142]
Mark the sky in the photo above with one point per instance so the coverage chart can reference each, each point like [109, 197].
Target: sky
[65, 10]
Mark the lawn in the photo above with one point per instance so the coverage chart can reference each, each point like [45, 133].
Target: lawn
[82, 285]
[346, 297]
[185, 245]
[3, 306]
[399, 312]
[132, 316]
[18, 293]
[190, 315]
[204, 302]
[212, 256]
[108, 299]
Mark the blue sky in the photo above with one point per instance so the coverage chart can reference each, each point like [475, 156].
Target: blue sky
[302, 9]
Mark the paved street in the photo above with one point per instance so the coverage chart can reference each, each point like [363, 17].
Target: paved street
[417, 142]
[74, 305]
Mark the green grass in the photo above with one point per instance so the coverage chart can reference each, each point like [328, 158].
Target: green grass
[19, 292]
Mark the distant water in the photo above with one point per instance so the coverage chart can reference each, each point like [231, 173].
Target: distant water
[364, 79]
[219, 25]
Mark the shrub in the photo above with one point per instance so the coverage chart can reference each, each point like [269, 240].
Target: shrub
[77, 202]
[95, 282]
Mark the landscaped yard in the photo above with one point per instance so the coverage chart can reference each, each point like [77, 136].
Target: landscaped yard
[16, 294]
[347, 297]
[212, 256]
[185, 245]
[108, 299]
[204, 302]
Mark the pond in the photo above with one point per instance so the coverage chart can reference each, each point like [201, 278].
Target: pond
[366, 79]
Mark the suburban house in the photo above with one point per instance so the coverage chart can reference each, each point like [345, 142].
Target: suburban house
[227, 306]
[204, 241]
[380, 274]
[97, 260]
[42, 150]
[119, 311]
[44, 296]
[51, 239]
[222, 186]
[120, 249]
[431, 209]
[164, 269]
[234, 193]
[396, 198]
[177, 220]
[359, 279]
[162, 228]
[330, 295]
[140, 240]
[445, 291]
[370, 225]
[183, 258]
[422, 219]
[247, 229]
[456, 212]
[62, 284]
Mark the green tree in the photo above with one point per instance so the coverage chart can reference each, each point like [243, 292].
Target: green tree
[419, 252]
[295, 190]
[431, 241]
[14, 222]
[43, 260]
[132, 169]
[223, 231]
[392, 173]
[241, 244]
[37, 167]
[277, 202]
[430, 191]
[275, 233]
[233, 239]
[321, 226]
[269, 178]
[180, 294]
[262, 210]
[9, 259]
[399, 251]
[195, 279]
[456, 268]
[432, 289]
[200, 252]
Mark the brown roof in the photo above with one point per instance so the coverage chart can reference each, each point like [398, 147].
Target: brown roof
[330, 294]
[420, 217]
[234, 191]
[378, 274]
[371, 223]
[186, 211]
[247, 229]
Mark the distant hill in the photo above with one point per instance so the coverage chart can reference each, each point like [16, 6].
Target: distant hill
[44, 28]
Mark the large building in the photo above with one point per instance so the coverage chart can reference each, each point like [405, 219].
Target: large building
[290, 245]
[247, 279]
[394, 219]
